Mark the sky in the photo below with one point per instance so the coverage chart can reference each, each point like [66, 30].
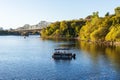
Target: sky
[16, 13]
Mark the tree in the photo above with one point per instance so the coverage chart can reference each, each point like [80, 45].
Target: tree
[107, 14]
[63, 27]
[117, 11]
[95, 14]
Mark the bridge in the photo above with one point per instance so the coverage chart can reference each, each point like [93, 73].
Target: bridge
[27, 31]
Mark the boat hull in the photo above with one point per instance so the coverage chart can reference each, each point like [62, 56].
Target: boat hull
[63, 56]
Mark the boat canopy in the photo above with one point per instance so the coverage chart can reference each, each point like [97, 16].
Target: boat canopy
[62, 49]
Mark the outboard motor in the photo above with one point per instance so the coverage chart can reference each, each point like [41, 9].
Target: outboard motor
[74, 56]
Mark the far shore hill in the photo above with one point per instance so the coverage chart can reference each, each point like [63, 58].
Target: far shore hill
[40, 25]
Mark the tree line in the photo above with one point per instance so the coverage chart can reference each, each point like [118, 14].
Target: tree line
[7, 32]
[93, 28]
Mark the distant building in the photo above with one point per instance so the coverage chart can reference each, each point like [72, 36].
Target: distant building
[40, 25]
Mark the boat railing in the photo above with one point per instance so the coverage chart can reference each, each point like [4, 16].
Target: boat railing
[63, 53]
[62, 49]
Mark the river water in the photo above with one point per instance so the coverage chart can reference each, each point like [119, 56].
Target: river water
[31, 59]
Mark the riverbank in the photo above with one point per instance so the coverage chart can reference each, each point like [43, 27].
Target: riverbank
[99, 42]
[60, 38]
[106, 43]
[7, 32]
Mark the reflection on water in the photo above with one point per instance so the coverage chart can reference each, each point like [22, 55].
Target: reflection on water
[31, 58]
[103, 61]
[110, 54]
[113, 54]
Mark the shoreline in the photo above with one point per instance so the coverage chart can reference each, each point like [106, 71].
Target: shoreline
[106, 43]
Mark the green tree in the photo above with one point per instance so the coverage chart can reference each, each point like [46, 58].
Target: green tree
[107, 14]
[117, 11]
[63, 27]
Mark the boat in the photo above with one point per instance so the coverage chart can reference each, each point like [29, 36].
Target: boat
[63, 54]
